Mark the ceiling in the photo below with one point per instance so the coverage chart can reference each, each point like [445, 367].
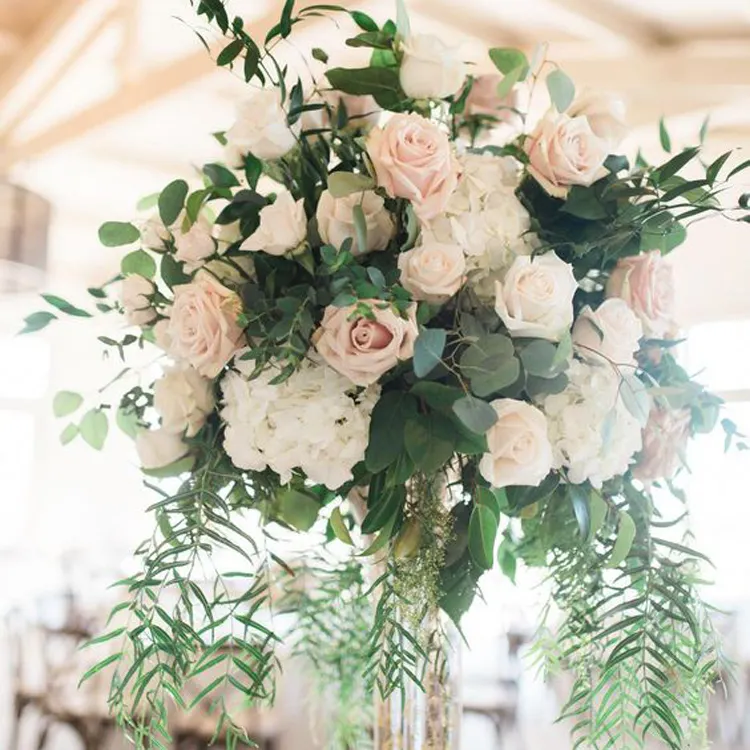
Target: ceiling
[103, 101]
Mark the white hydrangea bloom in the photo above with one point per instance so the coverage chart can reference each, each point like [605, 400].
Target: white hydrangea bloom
[314, 421]
[594, 437]
[486, 219]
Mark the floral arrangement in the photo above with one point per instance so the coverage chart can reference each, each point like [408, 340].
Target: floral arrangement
[437, 351]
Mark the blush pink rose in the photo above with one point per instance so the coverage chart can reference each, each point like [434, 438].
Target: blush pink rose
[564, 151]
[414, 159]
[664, 440]
[203, 328]
[646, 283]
[362, 349]
[483, 100]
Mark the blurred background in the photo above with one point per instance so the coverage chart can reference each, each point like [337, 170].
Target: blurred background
[105, 101]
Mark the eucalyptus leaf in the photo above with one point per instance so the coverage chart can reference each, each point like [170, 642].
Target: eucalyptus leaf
[116, 233]
[475, 413]
[94, 428]
[428, 350]
[172, 201]
[561, 89]
[507, 59]
[69, 434]
[66, 403]
[138, 263]
[635, 397]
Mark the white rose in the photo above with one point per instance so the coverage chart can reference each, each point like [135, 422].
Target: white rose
[283, 227]
[154, 235]
[183, 399]
[336, 220]
[430, 69]
[135, 297]
[605, 113]
[261, 129]
[612, 332]
[159, 448]
[520, 452]
[162, 339]
[565, 151]
[432, 271]
[536, 298]
[194, 245]
[227, 234]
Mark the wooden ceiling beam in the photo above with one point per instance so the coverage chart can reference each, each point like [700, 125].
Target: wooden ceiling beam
[60, 14]
[614, 19]
[145, 88]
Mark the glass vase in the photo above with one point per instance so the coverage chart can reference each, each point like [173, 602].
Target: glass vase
[429, 719]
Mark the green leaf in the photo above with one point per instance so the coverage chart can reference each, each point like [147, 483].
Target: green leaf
[538, 358]
[363, 20]
[382, 538]
[385, 512]
[285, 24]
[172, 201]
[676, 163]
[624, 541]
[598, 509]
[229, 53]
[712, 173]
[36, 321]
[510, 80]
[253, 170]
[437, 395]
[220, 175]
[339, 527]
[103, 664]
[389, 418]
[584, 203]
[664, 139]
[561, 89]
[382, 83]
[65, 307]
[341, 184]
[475, 413]
[507, 59]
[171, 272]
[402, 20]
[69, 434]
[127, 421]
[177, 468]
[430, 441]
[495, 500]
[428, 350]
[94, 428]
[703, 132]
[298, 509]
[360, 227]
[138, 263]
[320, 55]
[116, 233]
[483, 526]
[504, 375]
[66, 403]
